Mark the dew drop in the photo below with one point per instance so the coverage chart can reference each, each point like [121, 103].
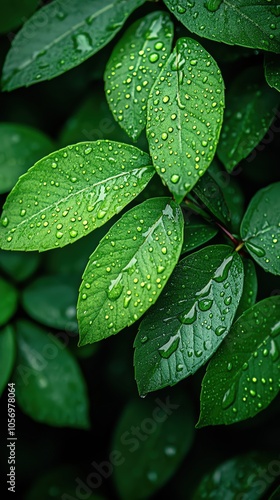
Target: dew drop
[220, 330]
[169, 347]
[229, 397]
[153, 57]
[82, 42]
[190, 317]
[73, 233]
[5, 221]
[205, 304]
[259, 252]
[175, 178]
[115, 291]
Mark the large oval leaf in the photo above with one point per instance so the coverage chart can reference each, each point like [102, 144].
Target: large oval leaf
[71, 192]
[50, 385]
[272, 69]
[243, 377]
[128, 270]
[185, 111]
[191, 318]
[153, 456]
[59, 37]
[133, 67]
[250, 23]
[7, 355]
[260, 228]
[8, 301]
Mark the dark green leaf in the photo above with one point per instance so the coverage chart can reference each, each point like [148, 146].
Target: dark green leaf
[250, 287]
[260, 228]
[251, 107]
[243, 377]
[18, 265]
[196, 232]
[237, 478]
[185, 111]
[50, 387]
[272, 69]
[21, 147]
[191, 318]
[7, 355]
[133, 67]
[51, 300]
[15, 12]
[128, 270]
[147, 460]
[8, 301]
[209, 192]
[69, 35]
[276, 494]
[71, 192]
[253, 23]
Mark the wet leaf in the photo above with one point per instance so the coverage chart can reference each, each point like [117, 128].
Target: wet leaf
[133, 67]
[68, 36]
[8, 301]
[252, 23]
[196, 232]
[70, 193]
[211, 195]
[243, 377]
[21, 146]
[129, 269]
[191, 318]
[260, 228]
[185, 112]
[272, 70]
[50, 387]
[7, 355]
[251, 108]
[250, 288]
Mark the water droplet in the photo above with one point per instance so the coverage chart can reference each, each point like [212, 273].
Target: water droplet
[170, 451]
[259, 252]
[220, 330]
[144, 339]
[73, 233]
[229, 366]
[82, 42]
[181, 9]
[169, 347]
[59, 234]
[158, 45]
[115, 290]
[190, 317]
[175, 178]
[205, 304]
[223, 270]
[212, 5]
[229, 397]
[5, 221]
[101, 214]
[153, 57]
[22, 212]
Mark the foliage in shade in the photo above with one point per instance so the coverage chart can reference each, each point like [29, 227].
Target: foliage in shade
[208, 191]
[250, 287]
[272, 70]
[15, 13]
[196, 232]
[7, 355]
[8, 301]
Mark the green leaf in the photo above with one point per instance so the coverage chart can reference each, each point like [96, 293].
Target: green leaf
[185, 111]
[191, 318]
[251, 107]
[152, 456]
[250, 288]
[72, 192]
[128, 270]
[19, 266]
[133, 67]
[196, 232]
[7, 355]
[51, 300]
[69, 35]
[260, 228]
[276, 494]
[253, 23]
[50, 385]
[243, 377]
[209, 192]
[8, 300]
[21, 146]
[14, 13]
[237, 478]
[272, 69]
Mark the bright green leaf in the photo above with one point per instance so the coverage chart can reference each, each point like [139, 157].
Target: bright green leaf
[51, 300]
[71, 192]
[260, 228]
[15, 12]
[166, 429]
[211, 195]
[196, 232]
[128, 270]
[185, 111]
[50, 387]
[250, 288]
[18, 265]
[243, 377]
[69, 35]
[21, 146]
[133, 67]
[251, 107]
[7, 355]
[272, 69]
[8, 301]
[250, 23]
[191, 318]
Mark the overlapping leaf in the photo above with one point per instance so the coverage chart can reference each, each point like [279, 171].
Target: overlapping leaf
[272, 69]
[185, 111]
[250, 288]
[129, 269]
[71, 192]
[211, 195]
[196, 232]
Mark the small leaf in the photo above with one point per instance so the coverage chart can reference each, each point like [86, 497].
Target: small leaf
[237, 478]
[133, 67]
[15, 12]
[272, 69]
[209, 192]
[50, 385]
[8, 301]
[185, 112]
[260, 228]
[72, 192]
[250, 288]
[128, 270]
[18, 265]
[243, 377]
[148, 462]
[252, 23]
[196, 232]
[69, 35]
[251, 107]
[51, 300]
[21, 146]
[7, 355]
[191, 318]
